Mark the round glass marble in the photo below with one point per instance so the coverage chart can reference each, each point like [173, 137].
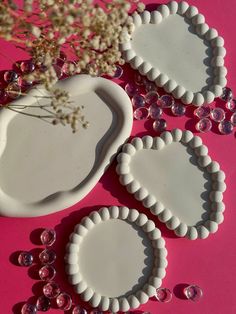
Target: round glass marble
[51, 290]
[204, 125]
[225, 127]
[131, 89]
[43, 303]
[151, 97]
[79, 310]
[166, 101]
[150, 86]
[28, 309]
[178, 109]
[24, 83]
[159, 125]
[163, 295]
[138, 79]
[202, 111]
[25, 259]
[231, 105]
[141, 113]
[227, 94]
[47, 256]
[233, 119]
[47, 272]
[13, 90]
[10, 76]
[193, 292]
[64, 301]
[118, 72]
[155, 111]
[48, 237]
[27, 66]
[138, 101]
[217, 114]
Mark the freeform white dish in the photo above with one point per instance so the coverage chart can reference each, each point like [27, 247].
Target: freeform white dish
[175, 48]
[116, 259]
[175, 178]
[46, 168]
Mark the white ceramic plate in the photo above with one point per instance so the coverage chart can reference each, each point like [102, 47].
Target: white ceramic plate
[46, 168]
[174, 177]
[116, 259]
[174, 47]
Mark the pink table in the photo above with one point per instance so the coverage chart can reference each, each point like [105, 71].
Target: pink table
[209, 263]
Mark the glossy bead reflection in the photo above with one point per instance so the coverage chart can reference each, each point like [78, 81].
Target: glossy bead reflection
[155, 111]
[141, 113]
[47, 272]
[28, 309]
[166, 101]
[118, 72]
[231, 105]
[204, 125]
[51, 290]
[151, 97]
[25, 259]
[64, 301]
[23, 82]
[150, 86]
[217, 114]
[43, 303]
[163, 295]
[159, 125]
[48, 237]
[47, 256]
[193, 293]
[3, 95]
[202, 111]
[27, 66]
[79, 310]
[13, 90]
[10, 76]
[138, 101]
[69, 68]
[225, 127]
[227, 94]
[138, 79]
[178, 109]
[233, 119]
[131, 89]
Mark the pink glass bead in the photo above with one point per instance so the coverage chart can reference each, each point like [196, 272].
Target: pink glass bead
[131, 89]
[118, 72]
[62, 58]
[193, 293]
[204, 125]
[166, 101]
[69, 68]
[51, 290]
[227, 94]
[28, 309]
[47, 272]
[64, 301]
[178, 109]
[155, 111]
[79, 310]
[23, 83]
[163, 295]
[48, 237]
[138, 79]
[47, 256]
[150, 86]
[233, 119]
[159, 125]
[10, 76]
[25, 259]
[141, 113]
[217, 114]
[138, 101]
[231, 105]
[202, 111]
[225, 127]
[151, 97]
[27, 66]
[3, 95]
[13, 90]
[43, 303]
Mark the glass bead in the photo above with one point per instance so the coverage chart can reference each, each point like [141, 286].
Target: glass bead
[225, 127]
[48, 237]
[159, 125]
[138, 79]
[150, 86]
[79, 310]
[43, 303]
[51, 290]
[10, 76]
[23, 83]
[204, 125]
[151, 97]
[118, 72]
[27, 66]
[138, 101]
[28, 309]
[231, 105]
[217, 114]
[69, 68]
[47, 272]
[47, 256]
[163, 295]
[202, 111]
[25, 259]
[13, 90]
[166, 101]
[96, 312]
[233, 119]
[193, 293]
[62, 58]
[155, 111]
[131, 89]
[141, 113]
[178, 109]
[3, 95]
[64, 301]
[227, 94]
[58, 70]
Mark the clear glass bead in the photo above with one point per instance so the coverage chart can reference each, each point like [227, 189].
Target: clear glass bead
[163, 295]
[150, 86]
[3, 95]
[24, 83]
[233, 119]
[131, 89]
[48, 237]
[64, 301]
[227, 94]
[202, 111]
[193, 293]
[10, 76]
[225, 127]
[28, 309]
[217, 114]
[155, 111]
[151, 97]
[47, 272]
[141, 113]
[166, 101]
[25, 259]
[138, 79]
[231, 105]
[79, 310]
[204, 125]
[13, 90]
[51, 290]
[27, 66]
[118, 72]
[178, 109]
[47, 256]
[159, 125]
[43, 303]
[138, 101]
[69, 68]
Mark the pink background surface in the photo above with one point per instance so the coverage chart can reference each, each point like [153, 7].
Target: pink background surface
[210, 263]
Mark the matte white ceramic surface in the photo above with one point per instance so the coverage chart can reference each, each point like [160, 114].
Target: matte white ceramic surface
[174, 47]
[116, 258]
[46, 168]
[174, 177]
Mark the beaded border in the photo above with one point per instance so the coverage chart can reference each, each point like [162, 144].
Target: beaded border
[76, 278]
[161, 79]
[157, 208]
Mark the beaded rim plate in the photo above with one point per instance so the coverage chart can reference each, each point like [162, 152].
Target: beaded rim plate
[139, 167]
[136, 220]
[146, 46]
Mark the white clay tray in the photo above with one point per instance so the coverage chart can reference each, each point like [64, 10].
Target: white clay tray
[116, 259]
[175, 48]
[175, 178]
[46, 168]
